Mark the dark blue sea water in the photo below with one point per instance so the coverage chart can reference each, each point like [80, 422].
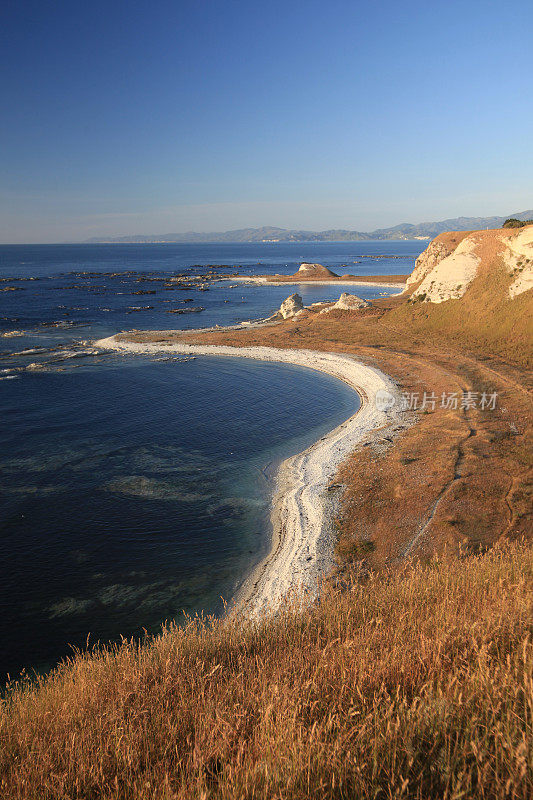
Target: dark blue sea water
[134, 489]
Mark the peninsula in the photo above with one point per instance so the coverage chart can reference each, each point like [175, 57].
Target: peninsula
[460, 328]
[320, 275]
[409, 673]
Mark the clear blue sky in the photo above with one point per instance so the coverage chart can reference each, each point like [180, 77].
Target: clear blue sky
[154, 117]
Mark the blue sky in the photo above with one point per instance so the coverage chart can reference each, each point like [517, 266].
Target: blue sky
[154, 117]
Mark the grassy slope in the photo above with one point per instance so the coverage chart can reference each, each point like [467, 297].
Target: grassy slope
[485, 320]
[412, 683]
[462, 477]
[415, 686]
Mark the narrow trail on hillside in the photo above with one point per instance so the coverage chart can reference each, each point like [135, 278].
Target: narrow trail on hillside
[444, 492]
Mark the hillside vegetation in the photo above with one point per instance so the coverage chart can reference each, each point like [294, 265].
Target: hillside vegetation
[414, 686]
[513, 222]
[412, 676]
[485, 320]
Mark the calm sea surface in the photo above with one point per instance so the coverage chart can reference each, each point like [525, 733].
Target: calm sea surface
[133, 489]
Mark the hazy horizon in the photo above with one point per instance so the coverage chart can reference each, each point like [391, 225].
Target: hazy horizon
[201, 117]
[256, 227]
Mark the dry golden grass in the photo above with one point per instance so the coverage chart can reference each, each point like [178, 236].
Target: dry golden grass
[456, 479]
[404, 681]
[391, 493]
[485, 320]
[475, 466]
[414, 686]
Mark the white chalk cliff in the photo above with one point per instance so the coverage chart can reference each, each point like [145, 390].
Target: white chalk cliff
[426, 261]
[447, 267]
[518, 258]
[450, 278]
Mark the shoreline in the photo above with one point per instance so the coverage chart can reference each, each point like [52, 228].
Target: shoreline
[303, 536]
[264, 280]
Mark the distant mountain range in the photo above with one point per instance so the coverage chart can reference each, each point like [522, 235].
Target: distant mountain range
[424, 230]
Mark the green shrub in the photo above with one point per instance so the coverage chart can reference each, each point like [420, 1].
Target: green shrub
[512, 222]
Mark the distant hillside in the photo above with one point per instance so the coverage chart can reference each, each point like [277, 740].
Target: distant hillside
[432, 229]
[268, 234]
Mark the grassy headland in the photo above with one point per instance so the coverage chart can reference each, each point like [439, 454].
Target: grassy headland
[461, 477]
[417, 685]
[412, 676]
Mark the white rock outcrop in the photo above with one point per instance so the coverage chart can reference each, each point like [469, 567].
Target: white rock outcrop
[435, 252]
[347, 302]
[305, 267]
[451, 276]
[318, 271]
[447, 267]
[291, 306]
[518, 258]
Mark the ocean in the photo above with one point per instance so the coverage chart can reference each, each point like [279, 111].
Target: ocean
[135, 490]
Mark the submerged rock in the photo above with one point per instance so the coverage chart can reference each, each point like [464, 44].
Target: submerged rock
[30, 351]
[151, 489]
[68, 606]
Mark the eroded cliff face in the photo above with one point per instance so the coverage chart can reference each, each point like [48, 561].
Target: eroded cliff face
[425, 262]
[518, 258]
[441, 247]
[451, 276]
[448, 266]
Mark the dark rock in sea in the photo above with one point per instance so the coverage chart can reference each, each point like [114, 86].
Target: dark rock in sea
[196, 309]
[71, 286]
[63, 324]
[176, 359]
